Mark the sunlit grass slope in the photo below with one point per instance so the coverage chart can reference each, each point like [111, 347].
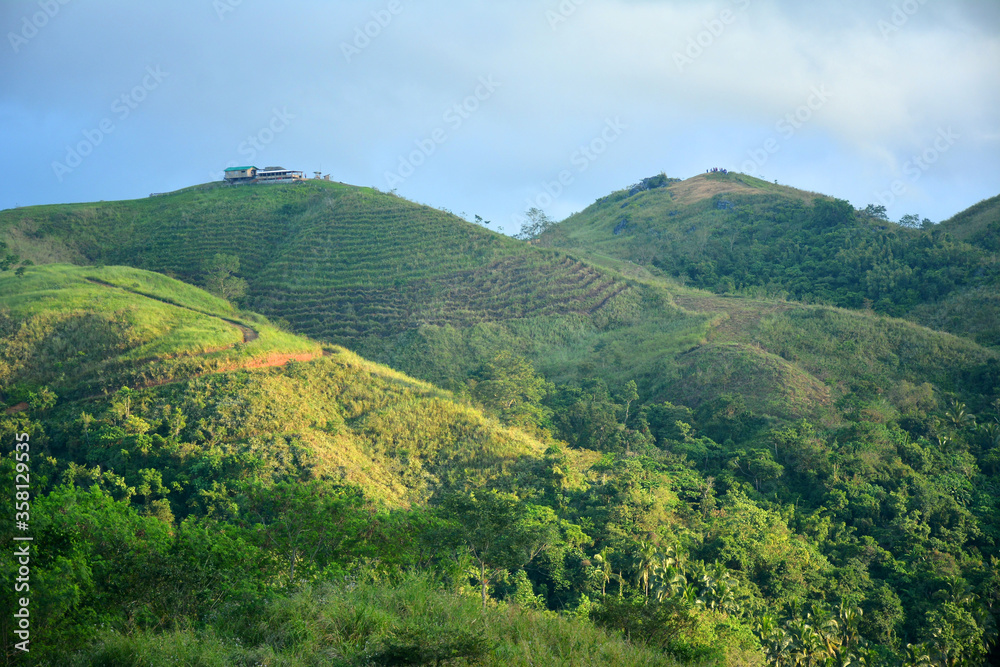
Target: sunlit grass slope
[84, 333]
[82, 330]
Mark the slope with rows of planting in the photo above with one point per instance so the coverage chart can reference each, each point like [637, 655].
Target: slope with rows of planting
[336, 261]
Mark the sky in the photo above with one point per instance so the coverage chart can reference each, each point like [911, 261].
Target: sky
[490, 108]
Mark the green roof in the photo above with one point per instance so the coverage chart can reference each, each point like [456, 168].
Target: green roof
[239, 168]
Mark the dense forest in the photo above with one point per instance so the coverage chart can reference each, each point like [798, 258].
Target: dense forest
[551, 457]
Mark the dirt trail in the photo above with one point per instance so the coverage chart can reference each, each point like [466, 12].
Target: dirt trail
[249, 334]
[272, 360]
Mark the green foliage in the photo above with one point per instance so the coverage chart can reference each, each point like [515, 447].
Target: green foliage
[501, 533]
[220, 279]
[508, 384]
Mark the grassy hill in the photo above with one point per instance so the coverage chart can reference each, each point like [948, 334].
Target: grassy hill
[732, 233]
[978, 225]
[83, 333]
[434, 296]
[80, 330]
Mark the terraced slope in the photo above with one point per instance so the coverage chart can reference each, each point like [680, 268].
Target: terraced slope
[337, 262]
[368, 264]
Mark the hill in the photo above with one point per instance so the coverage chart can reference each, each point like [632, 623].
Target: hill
[433, 295]
[229, 378]
[202, 478]
[338, 262]
[731, 233]
[194, 467]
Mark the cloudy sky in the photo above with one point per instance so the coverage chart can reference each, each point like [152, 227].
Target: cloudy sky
[491, 107]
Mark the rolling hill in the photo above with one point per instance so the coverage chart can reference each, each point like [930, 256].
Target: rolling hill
[432, 295]
[732, 233]
[84, 332]
[777, 466]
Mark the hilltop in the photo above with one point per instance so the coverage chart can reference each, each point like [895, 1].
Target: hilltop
[731, 233]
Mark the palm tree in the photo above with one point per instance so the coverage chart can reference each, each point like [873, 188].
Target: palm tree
[603, 568]
[917, 655]
[959, 416]
[646, 559]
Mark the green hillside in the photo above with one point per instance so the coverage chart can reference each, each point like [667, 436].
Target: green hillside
[978, 225]
[82, 333]
[717, 478]
[85, 330]
[433, 295]
[336, 261]
[189, 508]
[731, 233]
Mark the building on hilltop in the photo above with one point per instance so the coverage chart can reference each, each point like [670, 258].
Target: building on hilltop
[241, 173]
[266, 175]
[278, 175]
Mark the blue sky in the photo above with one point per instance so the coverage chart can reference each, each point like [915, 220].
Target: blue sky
[491, 107]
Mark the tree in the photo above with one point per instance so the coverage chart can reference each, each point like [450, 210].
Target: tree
[501, 532]
[220, 279]
[646, 560]
[876, 212]
[306, 526]
[509, 385]
[602, 568]
[629, 394]
[536, 224]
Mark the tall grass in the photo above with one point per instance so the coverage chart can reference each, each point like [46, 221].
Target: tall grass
[352, 623]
